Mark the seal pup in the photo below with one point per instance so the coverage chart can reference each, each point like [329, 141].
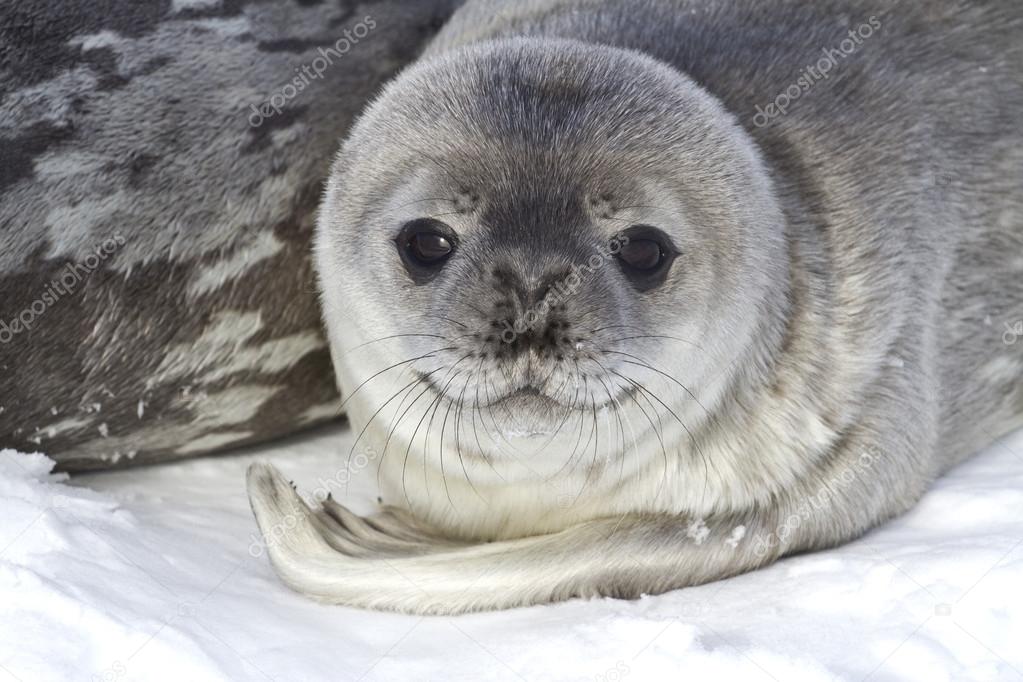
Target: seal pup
[630, 297]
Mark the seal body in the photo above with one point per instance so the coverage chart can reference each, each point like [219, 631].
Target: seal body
[160, 171]
[650, 295]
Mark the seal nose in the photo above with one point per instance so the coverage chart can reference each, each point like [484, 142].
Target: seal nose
[530, 316]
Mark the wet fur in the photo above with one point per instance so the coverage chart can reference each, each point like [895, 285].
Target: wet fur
[850, 270]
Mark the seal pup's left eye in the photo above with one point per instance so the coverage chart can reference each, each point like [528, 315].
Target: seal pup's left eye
[645, 255]
[425, 245]
[642, 254]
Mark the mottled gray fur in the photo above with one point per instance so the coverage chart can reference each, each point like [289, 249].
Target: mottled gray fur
[840, 327]
[132, 127]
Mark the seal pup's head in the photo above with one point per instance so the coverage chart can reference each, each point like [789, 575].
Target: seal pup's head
[543, 263]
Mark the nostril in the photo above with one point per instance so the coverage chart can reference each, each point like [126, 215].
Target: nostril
[526, 315]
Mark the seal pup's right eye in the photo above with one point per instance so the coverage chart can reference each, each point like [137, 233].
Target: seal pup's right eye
[425, 245]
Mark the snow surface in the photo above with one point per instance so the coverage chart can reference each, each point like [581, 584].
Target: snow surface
[156, 574]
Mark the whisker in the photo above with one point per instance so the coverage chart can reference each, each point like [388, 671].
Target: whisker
[579, 436]
[657, 431]
[663, 404]
[490, 410]
[641, 363]
[509, 418]
[657, 336]
[568, 412]
[485, 381]
[426, 436]
[618, 410]
[392, 336]
[385, 369]
[446, 213]
[458, 442]
[656, 208]
[435, 403]
[424, 200]
[412, 440]
[446, 319]
[692, 438]
[423, 379]
[595, 437]
[475, 410]
[440, 449]
[613, 402]
[348, 465]
[397, 423]
[615, 326]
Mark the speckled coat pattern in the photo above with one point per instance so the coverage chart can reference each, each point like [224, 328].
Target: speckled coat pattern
[160, 166]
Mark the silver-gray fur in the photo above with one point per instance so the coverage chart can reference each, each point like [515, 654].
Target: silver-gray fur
[841, 325]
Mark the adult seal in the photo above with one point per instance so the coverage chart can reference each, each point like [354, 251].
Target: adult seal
[625, 297]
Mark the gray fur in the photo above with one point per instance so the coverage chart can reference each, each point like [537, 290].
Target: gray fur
[131, 124]
[834, 334]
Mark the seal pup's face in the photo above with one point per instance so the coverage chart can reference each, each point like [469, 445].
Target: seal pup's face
[542, 260]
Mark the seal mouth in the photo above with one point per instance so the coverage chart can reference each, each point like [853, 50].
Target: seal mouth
[526, 392]
[526, 399]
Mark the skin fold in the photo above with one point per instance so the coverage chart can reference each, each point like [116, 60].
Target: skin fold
[828, 333]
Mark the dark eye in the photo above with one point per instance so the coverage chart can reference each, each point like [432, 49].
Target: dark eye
[425, 245]
[642, 254]
[429, 247]
[645, 255]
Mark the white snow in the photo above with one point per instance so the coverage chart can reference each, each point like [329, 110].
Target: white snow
[158, 574]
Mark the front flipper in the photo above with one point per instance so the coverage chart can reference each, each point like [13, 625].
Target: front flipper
[622, 557]
[391, 533]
